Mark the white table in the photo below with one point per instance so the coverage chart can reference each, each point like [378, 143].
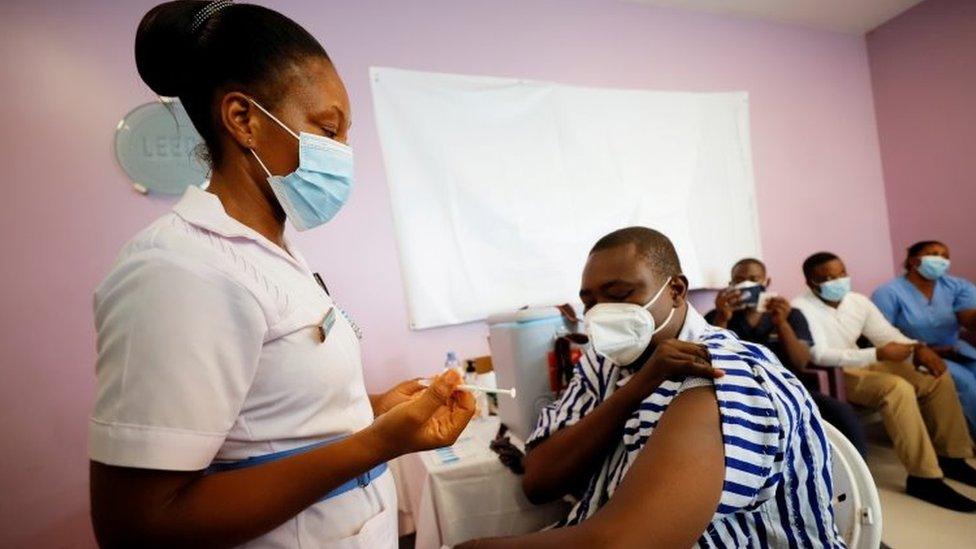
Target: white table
[451, 496]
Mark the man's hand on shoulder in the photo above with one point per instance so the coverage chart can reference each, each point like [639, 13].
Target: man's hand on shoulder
[676, 358]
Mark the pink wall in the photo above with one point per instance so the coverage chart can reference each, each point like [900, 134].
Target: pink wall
[923, 70]
[69, 76]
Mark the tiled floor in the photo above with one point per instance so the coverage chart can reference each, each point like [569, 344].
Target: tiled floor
[910, 523]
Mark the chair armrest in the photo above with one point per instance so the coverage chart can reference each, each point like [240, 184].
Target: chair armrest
[835, 380]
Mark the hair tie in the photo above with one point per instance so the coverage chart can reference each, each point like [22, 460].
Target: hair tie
[207, 12]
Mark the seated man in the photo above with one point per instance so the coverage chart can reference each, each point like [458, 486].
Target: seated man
[931, 306]
[886, 377]
[659, 458]
[783, 330]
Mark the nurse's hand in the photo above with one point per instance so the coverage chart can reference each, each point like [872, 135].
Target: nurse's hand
[402, 392]
[431, 418]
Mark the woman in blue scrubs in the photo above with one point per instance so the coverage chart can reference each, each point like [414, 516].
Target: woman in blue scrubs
[931, 306]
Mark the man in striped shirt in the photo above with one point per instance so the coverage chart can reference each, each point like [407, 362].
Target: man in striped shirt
[658, 457]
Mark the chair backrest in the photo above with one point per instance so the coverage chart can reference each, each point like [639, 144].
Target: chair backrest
[834, 379]
[857, 508]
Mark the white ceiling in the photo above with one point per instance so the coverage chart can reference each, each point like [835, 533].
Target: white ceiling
[850, 16]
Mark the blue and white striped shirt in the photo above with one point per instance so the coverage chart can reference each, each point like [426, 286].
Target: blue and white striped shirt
[778, 487]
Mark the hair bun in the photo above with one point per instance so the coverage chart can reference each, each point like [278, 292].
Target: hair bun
[164, 46]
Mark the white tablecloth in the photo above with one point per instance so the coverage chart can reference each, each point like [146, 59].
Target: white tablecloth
[451, 496]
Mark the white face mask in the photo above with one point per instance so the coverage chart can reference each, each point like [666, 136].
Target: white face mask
[622, 331]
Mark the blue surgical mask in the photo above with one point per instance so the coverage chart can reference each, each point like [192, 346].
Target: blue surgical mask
[315, 192]
[933, 266]
[836, 289]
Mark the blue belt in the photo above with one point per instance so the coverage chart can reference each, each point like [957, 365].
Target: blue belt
[360, 481]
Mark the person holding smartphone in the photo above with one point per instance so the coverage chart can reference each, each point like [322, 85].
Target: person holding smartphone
[748, 308]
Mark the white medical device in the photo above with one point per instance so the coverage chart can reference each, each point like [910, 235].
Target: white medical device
[520, 344]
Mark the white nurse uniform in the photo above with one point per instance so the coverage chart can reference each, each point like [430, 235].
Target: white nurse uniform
[209, 352]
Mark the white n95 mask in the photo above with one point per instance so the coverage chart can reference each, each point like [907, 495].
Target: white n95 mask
[622, 331]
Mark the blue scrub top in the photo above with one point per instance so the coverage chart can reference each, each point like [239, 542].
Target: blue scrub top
[933, 322]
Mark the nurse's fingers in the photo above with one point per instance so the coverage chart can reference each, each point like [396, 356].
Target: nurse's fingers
[439, 392]
[464, 401]
[460, 413]
[411, 386]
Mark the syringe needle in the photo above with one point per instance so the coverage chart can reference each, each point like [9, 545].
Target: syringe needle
[466, 387]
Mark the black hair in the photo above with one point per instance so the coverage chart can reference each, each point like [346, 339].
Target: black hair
[816, 260]
[651, 245]
[243, 46]
[917, 248]
[748, 261]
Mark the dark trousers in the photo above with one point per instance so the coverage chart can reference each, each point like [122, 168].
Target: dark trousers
[842, 415]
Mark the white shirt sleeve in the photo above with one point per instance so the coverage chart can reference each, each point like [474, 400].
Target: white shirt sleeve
[178, 347]
[822, 353]
[877, 328]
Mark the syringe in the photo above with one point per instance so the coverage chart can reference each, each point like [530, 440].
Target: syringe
[465, 387]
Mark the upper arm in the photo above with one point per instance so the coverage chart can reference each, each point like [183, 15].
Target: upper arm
[178, 346]
[126, 501]
[677, 479]
[965, 296]
[877, 328]
[967, 319]
[798, 323]
[964, 304]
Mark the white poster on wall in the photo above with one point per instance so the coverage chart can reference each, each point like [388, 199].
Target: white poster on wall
[500, 186]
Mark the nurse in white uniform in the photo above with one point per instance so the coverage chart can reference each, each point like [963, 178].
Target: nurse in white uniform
[230, 407]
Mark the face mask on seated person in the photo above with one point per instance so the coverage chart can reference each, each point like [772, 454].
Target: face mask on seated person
[749, 292]
[836, 289]
[933, 267]
[622, 331]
